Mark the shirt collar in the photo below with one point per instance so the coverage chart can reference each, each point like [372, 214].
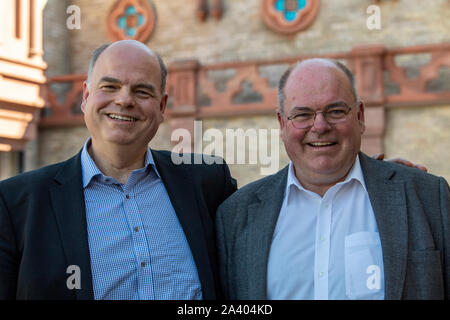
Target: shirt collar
[355, 173]
[90, 170]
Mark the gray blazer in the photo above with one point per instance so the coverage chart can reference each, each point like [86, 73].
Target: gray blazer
[412, 213]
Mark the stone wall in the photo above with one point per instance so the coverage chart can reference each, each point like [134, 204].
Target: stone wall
[59, 144]
[241, 35]
[420, 134]
[55, 37]
[9, 164]
[257, 162]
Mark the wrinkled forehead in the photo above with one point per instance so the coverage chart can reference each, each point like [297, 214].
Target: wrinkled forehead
[317, 83]
[127, 59]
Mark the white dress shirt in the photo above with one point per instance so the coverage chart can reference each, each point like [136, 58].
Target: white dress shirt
[326, 247]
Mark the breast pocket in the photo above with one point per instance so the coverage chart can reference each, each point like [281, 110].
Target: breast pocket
[364, 272]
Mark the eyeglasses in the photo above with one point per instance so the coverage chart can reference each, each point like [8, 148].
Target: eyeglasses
[305, 117]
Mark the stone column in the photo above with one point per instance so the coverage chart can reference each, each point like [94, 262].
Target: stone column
[367, 65]
[182, 90]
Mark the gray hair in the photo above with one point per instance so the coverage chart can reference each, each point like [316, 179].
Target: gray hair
[287, 73]
[97, 52]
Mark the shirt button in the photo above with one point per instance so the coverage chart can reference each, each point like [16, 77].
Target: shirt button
[143, 264]
[136, 229]
[326, 206]
[322, 238]
[321, 274]
[127, 196]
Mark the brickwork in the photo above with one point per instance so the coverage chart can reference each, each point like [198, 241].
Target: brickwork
[241, 35]
[8, 164]
[247, 172]
[55, 38]
[420, 134]
[59, 144]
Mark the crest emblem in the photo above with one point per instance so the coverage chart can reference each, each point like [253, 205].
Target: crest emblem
[131, 19]
[289, 16]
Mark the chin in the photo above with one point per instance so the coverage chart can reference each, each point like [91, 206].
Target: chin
[121, 140]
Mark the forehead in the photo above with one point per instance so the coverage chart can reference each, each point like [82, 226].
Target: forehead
[127, 64]
[316, 85]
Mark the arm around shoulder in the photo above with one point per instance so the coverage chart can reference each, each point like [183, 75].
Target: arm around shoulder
[230, 182]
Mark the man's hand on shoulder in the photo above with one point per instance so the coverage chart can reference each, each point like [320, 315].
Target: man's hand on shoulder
[380, 156]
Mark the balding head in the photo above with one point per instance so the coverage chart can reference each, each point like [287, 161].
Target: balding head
[123, 104]
[128, 44]
[311, 63]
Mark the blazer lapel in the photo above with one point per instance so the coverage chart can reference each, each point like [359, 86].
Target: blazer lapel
[178, 183]
[389, 205]
[67, 200]
[262, 219]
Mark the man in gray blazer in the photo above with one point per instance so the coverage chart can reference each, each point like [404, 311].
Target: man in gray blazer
[334, 223]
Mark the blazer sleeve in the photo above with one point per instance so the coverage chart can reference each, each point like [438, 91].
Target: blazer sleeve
[445, 211]
[222, 253]
[230, 182]
[8, 255]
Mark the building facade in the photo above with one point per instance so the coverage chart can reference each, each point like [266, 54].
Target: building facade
[225, 58]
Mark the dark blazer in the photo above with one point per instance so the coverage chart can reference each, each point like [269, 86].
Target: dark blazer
[412, 210]
[43, 226]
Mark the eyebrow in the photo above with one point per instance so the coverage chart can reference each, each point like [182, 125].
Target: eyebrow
[333, 104]
[109, 80]
[147, 86]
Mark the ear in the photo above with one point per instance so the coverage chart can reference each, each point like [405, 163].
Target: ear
[163, 104]
[280, 119]
[361, 118]
[85, 96]
[282, 123]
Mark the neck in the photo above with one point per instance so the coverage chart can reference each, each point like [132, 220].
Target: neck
[319, 183]
[319, 189]
[117, 161]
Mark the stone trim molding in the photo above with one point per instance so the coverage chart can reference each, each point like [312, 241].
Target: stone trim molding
[194, 94]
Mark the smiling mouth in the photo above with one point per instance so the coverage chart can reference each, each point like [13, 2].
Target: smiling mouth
[121, 117]
[321, 144]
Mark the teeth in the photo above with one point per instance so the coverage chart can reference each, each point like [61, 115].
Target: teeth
[115, 116]
[321, 144]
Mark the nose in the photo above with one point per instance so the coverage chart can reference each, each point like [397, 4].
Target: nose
[320, 125]
[124, 98]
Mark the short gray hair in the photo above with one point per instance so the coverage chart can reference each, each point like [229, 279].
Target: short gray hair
[287, 73]
[97, 52]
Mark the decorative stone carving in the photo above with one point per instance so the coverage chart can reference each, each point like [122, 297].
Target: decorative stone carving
[289, 16]
[131, 19]
[241, 88]
[203, 9]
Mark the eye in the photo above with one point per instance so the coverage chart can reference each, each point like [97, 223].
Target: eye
[336, 111]
[108, 87]
[143, 93]
[303, 115]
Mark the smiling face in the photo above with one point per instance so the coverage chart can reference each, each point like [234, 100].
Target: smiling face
[322, 154]
[123, 104]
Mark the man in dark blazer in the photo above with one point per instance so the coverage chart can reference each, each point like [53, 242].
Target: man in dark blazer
[46, 239]
[334, 223]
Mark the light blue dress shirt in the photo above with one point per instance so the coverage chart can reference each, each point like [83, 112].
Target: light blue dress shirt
[326, 247]
[137, 246]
